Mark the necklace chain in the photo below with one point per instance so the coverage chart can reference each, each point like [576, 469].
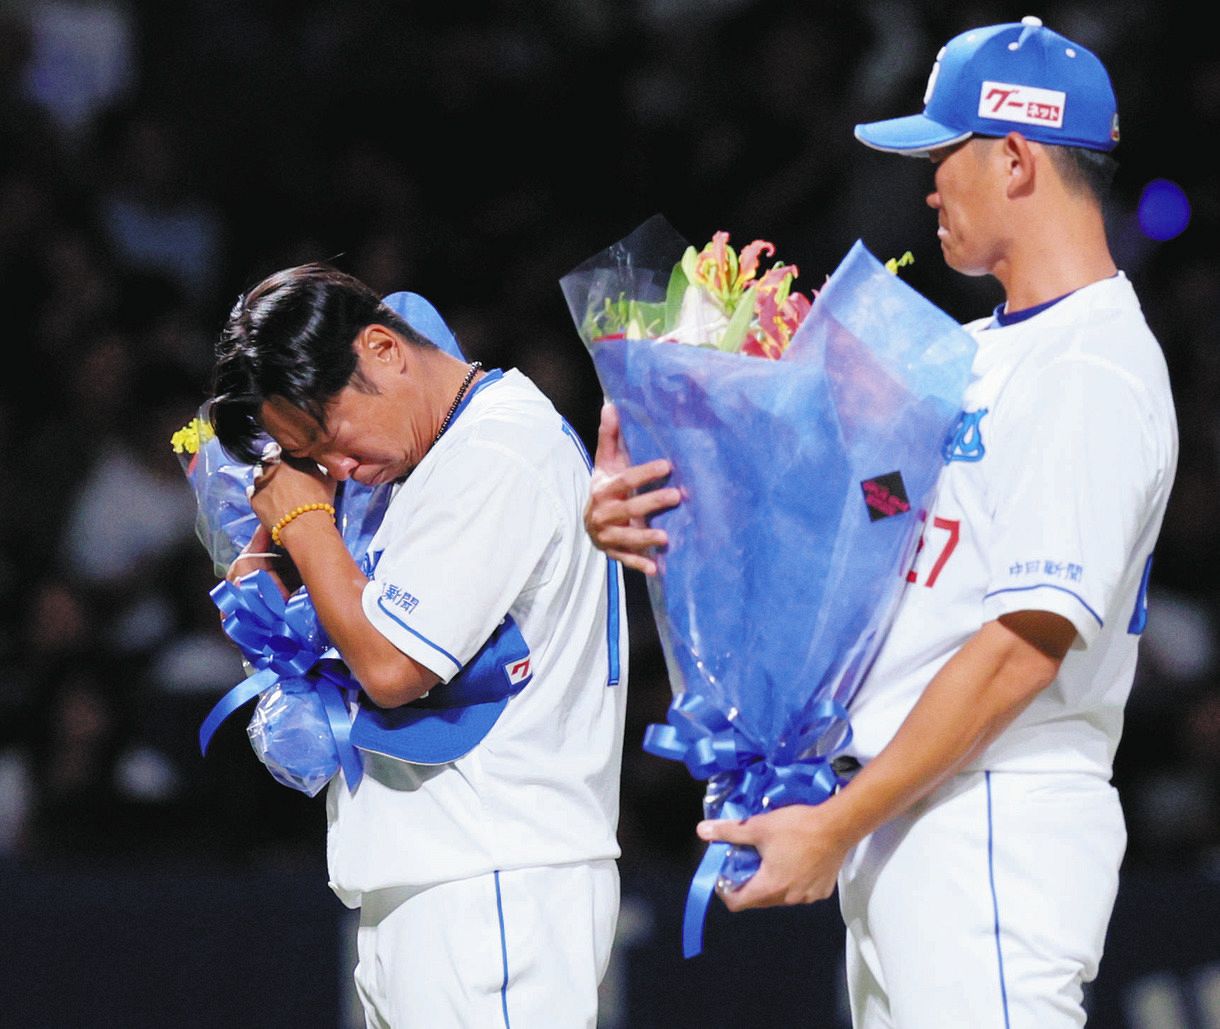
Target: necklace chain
[474, 369]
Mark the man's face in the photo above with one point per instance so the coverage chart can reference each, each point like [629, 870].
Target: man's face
[377, 430]
[968, 201]
[355, 443]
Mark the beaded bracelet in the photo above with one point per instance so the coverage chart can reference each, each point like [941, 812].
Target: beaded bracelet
[296, 512]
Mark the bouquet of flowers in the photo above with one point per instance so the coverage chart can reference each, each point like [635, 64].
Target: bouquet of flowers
[301, 727]
[225, 522]
[805, 437]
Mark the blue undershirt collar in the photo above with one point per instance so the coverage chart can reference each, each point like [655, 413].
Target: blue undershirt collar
[1002, 319]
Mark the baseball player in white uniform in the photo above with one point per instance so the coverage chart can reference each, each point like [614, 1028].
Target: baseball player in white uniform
[977, 848]
[484, 866]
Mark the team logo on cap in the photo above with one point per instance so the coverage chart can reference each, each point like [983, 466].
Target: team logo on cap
[518, 671]
[932, 77]
[1026, 105]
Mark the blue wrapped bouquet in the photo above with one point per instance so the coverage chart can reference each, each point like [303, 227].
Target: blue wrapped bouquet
[806, 440]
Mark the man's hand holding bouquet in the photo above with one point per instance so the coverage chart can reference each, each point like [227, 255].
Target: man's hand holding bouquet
[802, 441]
[301, 726]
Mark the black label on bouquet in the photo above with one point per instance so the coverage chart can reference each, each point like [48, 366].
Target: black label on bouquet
[885, 496]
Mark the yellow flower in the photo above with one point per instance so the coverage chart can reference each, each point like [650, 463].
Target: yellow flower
[894, 263]
[191, 436]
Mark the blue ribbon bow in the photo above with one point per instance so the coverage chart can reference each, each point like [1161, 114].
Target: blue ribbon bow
[286, 645]
[741, 783]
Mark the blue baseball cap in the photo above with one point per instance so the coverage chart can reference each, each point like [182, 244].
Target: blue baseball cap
[1002, 78]
[424, 319]
[453, 719]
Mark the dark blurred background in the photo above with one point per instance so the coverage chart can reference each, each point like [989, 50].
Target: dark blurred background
[158, 158]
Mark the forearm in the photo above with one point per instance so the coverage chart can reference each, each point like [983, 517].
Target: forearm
[336, 587]
[975, 696]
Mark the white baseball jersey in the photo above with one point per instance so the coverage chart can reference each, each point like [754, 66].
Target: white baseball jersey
[489, 523]
[1051, 500]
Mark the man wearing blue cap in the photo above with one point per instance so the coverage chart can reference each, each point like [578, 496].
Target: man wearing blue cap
[487, 637]
[977, 847]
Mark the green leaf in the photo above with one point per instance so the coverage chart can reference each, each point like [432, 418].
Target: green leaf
[689, 259]
[782, 290]
[739, 324]
[646, 320]
[678, 283]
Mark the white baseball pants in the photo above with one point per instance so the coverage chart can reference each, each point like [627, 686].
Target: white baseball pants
[515, 949]
[984, 906]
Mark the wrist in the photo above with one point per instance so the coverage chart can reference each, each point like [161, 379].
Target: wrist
[843, 819]
[291, 521]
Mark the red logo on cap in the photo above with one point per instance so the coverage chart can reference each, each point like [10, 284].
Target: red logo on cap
[1000, 96]
[1044, 112]
[1025, 105]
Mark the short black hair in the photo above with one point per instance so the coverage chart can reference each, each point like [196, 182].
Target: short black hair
[291, 336]
[1085, 170]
